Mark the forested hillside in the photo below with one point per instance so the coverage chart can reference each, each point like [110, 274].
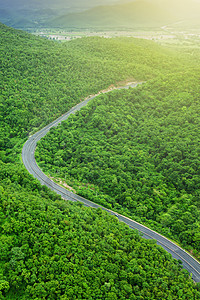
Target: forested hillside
[40, 80]
[136, 151]
[52, 249]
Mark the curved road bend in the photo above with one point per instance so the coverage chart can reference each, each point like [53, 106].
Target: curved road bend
[188, 262]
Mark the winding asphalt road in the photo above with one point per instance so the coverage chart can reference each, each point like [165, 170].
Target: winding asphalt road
[188, 262]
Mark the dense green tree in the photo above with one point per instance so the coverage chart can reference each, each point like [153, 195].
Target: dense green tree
[52, 249]
[138, 149]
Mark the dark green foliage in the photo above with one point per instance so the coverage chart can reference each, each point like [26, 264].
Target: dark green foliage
[40, 79]
[140, 149]
[52, 249]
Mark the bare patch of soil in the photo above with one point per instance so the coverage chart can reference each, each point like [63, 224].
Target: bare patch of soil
[119, 84]
[63, 183]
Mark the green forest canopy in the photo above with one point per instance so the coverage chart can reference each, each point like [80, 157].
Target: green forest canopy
[39, 231]
[136, 151]
[53, 249]
[40, 80]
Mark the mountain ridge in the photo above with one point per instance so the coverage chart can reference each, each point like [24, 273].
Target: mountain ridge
[142, 13]
[127, 14]
[106, 14]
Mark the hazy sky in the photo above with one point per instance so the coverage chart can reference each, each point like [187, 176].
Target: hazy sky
[82, 3]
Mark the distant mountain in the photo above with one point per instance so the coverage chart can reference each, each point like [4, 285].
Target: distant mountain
[128, 15]
[34, 13]
[4, 14]
[26, 18]
[96, 14]
[58, 4]
[14, 19]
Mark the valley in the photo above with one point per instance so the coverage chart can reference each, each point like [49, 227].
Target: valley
[99, 201]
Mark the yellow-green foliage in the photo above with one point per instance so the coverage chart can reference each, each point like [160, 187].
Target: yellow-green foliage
[41, 79]
[140, 150]
[51, 249]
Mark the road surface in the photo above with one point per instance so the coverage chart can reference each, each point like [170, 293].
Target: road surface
[188, 262]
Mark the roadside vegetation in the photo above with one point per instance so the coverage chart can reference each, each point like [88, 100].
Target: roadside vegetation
[52, 249]
[136, 152]
[41, 79]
